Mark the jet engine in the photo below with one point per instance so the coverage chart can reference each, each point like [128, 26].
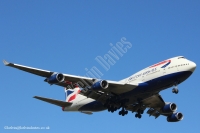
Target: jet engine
[170, 107]
[99, 85]
[55, 78]
[175, 117]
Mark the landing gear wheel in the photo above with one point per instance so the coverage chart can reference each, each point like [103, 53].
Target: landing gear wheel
[142, 111]
[126, 112]
[120, 112]
[138, 116]
[175, 90]
[112, 109]
[123, 112]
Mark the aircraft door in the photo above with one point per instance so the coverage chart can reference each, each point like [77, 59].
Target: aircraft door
[164, 71]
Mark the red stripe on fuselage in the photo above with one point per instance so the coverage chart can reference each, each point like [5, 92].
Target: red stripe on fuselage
[160, 63]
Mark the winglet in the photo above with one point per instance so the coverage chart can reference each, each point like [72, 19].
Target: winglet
[5, 62]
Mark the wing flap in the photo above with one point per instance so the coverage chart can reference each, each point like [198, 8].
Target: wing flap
[53, 101]
[153, 112]
[154, 101]
[155, 104]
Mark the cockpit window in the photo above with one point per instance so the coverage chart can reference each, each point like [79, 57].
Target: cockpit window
[181, 57]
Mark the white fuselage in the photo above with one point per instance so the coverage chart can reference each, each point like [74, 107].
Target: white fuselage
[162, 69]
[177, 64]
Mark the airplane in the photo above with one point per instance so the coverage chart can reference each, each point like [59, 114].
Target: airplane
[136, 93]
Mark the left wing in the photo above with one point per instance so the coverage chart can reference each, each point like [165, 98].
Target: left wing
[85, 82]
[39, 72]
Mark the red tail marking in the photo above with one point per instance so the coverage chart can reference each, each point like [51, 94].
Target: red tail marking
[72, 98]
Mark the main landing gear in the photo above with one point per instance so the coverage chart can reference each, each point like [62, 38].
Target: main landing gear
[123, 112]
[139, 113]
[175, 89]
[112, 106]
[112, 109]
[123, 104]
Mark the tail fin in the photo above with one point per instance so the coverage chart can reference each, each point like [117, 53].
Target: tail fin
[71, 94]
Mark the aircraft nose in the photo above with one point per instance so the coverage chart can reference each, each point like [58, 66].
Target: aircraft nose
[193, 66]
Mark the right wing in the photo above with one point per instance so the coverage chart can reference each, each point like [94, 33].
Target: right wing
[155, 103]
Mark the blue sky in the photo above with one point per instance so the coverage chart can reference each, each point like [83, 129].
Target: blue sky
[67, 36]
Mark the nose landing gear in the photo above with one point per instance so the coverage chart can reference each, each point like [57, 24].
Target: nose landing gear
[175, 89]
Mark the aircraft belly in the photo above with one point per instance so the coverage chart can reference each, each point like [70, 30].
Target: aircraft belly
[87, 104]
[151, 87]
[94, 106]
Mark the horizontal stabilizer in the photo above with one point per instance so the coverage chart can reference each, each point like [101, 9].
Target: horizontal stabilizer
[5, 62]
[53, 101]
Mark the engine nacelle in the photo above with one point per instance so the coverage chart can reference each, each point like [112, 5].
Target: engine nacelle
[99, 85]
[175, 117]
[55, 78]
[168, 108]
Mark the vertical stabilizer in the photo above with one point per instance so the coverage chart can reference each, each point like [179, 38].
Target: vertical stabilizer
[71, 94]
